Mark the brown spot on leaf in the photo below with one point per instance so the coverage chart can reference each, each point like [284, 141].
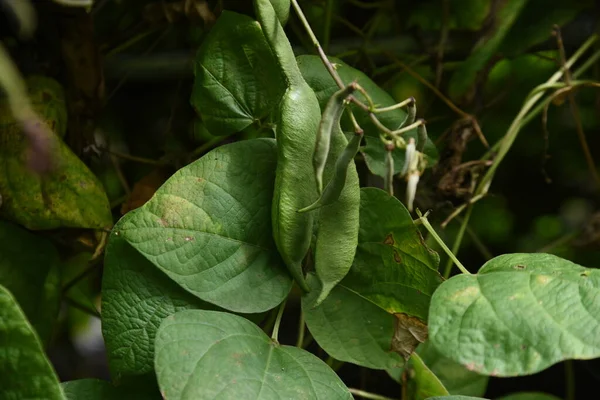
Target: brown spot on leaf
[389, 239]
[397, 257]
[408, 333]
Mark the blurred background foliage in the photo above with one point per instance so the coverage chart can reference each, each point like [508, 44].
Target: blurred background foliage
[126, 67]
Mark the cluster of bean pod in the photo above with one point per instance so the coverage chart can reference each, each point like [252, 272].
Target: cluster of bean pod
[317, 208]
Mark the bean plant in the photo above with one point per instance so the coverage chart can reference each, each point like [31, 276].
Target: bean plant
[196, 280]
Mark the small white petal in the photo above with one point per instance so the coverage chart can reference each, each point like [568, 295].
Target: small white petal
[411, 189]
[410, 155]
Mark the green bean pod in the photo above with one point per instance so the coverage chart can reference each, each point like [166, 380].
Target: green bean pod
[297, 121]
[331, 118]
[337, 223]
[389, 174]
[336, 184]
[421, 138]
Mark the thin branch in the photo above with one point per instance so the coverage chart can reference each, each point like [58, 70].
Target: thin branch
[575, 110]
[368, 395]
[275, 334]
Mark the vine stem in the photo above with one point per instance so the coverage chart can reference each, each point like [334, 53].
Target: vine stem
[275, 334]
[501, 147]
[458, 240]
[570, 380]
[368, 395]
[336, 77]
[301, 330]
[575, 110]
[438, 239]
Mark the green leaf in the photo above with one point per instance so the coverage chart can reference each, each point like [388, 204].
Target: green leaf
[25, 372]
[524, 34]
[69, 195]
[456, 379]
[464, 77]
[316, 75]
[237, 79]
[209, 228]
[96, 389]
[29, 270]
[90, 389]
[421, 382]
[377, 312]
[519, 315]
[282, 9]
[47, 97]
[208, 354]
[136, 296]
[529, 396]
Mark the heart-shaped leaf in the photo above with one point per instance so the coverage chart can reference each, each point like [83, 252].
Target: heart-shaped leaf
[209, 228]
[237, 79]
[69, 195]
[209, 354]
[136, 296]
[519, 315]
[25, 372]
[29, 270]
[316, 75]
[375, 315]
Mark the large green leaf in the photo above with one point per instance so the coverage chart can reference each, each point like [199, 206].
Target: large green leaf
[96, 389]
[465, 76]
[379, 309]
[456, 378]
[25, 372]
[316, 75]
[136, 296]
[529, 396]
[237, 80]
[209, 354]
[209, 228]
[519, 315]
[29, 270]
[69, 195]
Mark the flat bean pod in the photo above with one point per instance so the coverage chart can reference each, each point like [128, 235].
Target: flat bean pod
[336, 184]
[297, 121]
[329, 121]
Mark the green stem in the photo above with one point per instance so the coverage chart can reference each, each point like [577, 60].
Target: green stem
[82, 307]
[275, 333]
[458, 240]
[432, 232]
[508, 139]
[301, 330]
[368, 395]
[570, 380]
